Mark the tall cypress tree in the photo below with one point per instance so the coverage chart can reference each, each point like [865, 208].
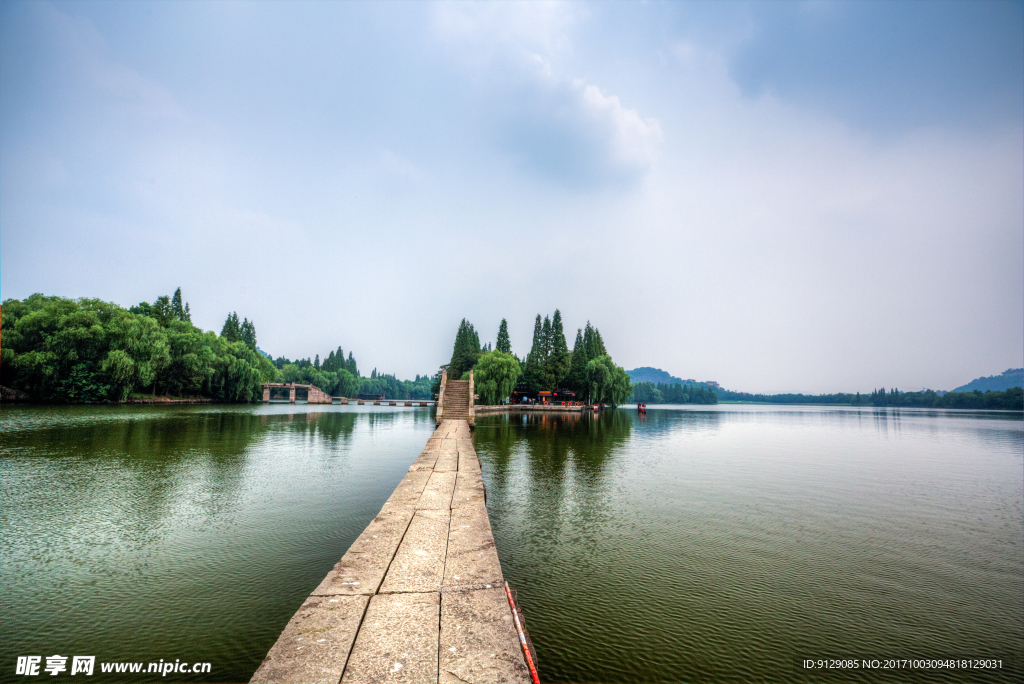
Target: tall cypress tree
[351, 367]
[247, 333]
[465, 352]
[533, 372]
[504, 344]
[559, 357]
[578, 364]
[176, 307]
[231, 331]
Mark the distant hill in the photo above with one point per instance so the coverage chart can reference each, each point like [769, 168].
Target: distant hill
[655, 375]
[1011, 377]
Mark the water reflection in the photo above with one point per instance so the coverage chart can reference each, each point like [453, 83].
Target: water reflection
[137, 534]
[719, 543]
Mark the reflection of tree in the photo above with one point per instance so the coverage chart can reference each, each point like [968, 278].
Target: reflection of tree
[332, 426]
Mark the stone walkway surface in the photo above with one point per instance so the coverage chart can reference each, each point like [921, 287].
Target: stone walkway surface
[418, 597]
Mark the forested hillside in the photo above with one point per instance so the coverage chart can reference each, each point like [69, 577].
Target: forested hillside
[1011, 377]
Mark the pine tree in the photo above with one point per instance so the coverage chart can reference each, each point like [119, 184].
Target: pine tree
[247, 333]
[533, 371]
[316, 363]
[559, 357]
[351, 367]
[188, 314]
[232, 330]
[578, 363]
[503, 344]
[465, 352]
[176, 307]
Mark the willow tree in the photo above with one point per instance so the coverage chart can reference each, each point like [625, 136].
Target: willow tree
[495, 376]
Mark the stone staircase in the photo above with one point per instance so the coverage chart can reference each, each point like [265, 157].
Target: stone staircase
[456, 400]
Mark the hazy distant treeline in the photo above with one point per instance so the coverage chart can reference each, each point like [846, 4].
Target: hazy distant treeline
[1011, 399]
[676, 393]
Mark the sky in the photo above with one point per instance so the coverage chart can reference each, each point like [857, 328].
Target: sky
[780, 197]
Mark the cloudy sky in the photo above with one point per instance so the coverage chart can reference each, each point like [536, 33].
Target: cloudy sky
[781, 197]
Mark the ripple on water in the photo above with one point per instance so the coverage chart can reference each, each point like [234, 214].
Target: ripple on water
[721, 547]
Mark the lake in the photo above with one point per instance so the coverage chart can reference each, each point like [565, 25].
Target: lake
[720, 543]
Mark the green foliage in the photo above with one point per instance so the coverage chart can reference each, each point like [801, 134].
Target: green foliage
[393, 388]
[495, 376]
[548, 363]
[676, 393]
[232, 329]
[559, 357]
[838, 398]
[1008, 400]
[504, 344]
[466, 350]
[180, 313]
[87, 350]
[577, 364]
[605, 382]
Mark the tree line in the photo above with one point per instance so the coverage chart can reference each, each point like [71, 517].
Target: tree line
[676, 393]
[1011, 399]
[587, 370]
[88, 350]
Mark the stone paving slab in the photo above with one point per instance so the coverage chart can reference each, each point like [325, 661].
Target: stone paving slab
[397, 641]
[478, 640]
[437, 495]
[472, 558]
[469, 489]
[422, 571]
[408, 490]
[315, 644]
[447, 461]
[469, 463]
[426, 461]
[362, 568]
[418, 565]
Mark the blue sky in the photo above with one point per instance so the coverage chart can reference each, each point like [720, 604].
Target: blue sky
[777, 196]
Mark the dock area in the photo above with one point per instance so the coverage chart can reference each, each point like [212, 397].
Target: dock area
[419, 596]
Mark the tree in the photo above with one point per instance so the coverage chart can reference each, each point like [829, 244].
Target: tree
[162, 311]
[606, 382]
[465, 352]
[247, 333]
[504, 344]
[495, 376]
[180, 312]
[87, 350]
[533, 372]
[576, 379]
[559, 358]
[232, 330]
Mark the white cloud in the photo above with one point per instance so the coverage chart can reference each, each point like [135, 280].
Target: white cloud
[84, 52]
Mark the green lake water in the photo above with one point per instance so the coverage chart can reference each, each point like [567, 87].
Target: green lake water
[693, 544]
